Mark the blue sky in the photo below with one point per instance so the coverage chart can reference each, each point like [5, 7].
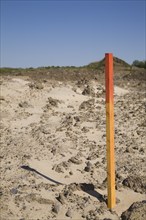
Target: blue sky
[44, 33]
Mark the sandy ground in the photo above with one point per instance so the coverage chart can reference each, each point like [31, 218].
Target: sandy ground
[53, 151]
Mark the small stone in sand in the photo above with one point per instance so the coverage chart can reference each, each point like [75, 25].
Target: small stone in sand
[2, 98]
[61, 198]
[88, 167]
[75, 160]
[136, 211]
[69, 213]
[56, 208]
[14, 191]
[24, 104]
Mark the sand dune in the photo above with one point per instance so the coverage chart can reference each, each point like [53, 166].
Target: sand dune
[53, 150]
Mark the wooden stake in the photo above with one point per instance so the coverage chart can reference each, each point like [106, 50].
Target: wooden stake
[110, 129]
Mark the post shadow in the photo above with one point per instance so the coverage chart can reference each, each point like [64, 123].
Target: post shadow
[35, 171]
[86, 187]
[89, 188]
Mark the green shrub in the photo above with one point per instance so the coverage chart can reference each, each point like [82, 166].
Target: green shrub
[140, 64]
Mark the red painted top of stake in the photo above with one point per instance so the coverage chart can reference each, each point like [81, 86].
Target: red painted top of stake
[109, 77]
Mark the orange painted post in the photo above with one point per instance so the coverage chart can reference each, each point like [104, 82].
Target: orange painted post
[110, 129]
